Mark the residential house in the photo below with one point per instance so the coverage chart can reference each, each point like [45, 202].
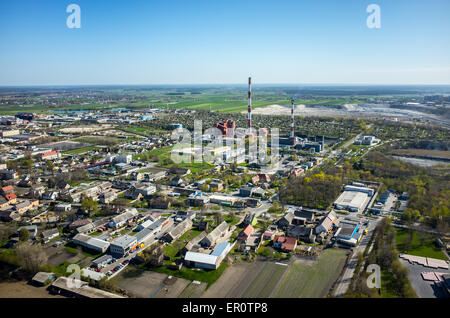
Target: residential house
[26, 205]
[245, 233]
[107, 197]
[49, 234]
[303, 233]
[285, 221]
[303, 217]
[63, 207]
[249, 219]
[49, 155]
[6, 174]
[216, 186]
[327, 224]
[178, 230]
[215, 235]
[284, 243]
[50, 195]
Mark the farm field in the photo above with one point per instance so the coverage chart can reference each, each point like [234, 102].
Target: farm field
[300, 279]
[80, 150]
[311, 280]
[193, 290]
[266, 281]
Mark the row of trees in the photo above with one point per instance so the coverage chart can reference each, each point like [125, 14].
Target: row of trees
[394, 275]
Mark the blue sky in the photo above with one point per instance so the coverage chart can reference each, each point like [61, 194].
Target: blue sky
[224, 41]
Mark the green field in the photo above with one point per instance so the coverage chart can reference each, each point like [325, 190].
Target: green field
[164, 154]
[310, 281]
[80, 150]
[427, 249]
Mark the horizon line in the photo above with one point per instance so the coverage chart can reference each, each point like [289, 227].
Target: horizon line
[228, 84]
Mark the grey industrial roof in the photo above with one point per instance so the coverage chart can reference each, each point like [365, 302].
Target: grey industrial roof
[143, 234]
[124, 241]
[42, 277]
[91, 241]
[102, 259]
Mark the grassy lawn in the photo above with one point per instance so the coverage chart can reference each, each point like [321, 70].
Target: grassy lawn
[165, 153]
[124, 231]
[269, 251]
[427, 249]
[71, 250]
[173, 248]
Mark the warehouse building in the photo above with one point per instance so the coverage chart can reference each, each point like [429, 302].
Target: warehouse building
[208, 261]
[347, 230]
[222, 199]
[91, 243]
[354, 198]
[123, 245]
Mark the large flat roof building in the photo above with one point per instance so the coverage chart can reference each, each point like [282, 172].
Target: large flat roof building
[91, 242]
[353, 201]
[123, 245]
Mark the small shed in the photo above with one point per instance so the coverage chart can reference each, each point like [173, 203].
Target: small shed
[43, 278]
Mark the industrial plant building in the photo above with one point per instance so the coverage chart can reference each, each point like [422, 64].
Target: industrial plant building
[354, 198]
[91, 243]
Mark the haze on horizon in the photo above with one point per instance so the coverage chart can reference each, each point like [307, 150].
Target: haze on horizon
[224, 42]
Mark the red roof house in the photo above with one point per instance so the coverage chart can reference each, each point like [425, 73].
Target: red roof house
[284, 243]
[246, 233]
[10, 196]
[7, 189]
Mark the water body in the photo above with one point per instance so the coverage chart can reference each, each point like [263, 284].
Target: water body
[421, 162]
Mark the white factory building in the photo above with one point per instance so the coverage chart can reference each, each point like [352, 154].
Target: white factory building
[354, 198]
[91, 243]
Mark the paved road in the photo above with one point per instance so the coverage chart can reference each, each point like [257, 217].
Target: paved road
[344, 283]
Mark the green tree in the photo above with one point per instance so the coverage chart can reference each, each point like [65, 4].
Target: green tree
[24, 235]
[89, 205]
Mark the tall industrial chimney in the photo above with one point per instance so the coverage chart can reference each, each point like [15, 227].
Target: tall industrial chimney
[249, 119]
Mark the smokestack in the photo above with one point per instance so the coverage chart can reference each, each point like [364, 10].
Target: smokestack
[292, 121]
[249, 119]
